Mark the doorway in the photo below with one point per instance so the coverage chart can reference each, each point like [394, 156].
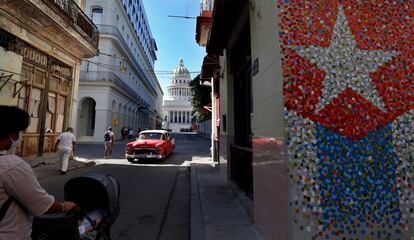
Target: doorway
[241, 171]
[87, 117]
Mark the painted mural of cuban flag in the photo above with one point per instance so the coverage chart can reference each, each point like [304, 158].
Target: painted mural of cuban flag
[348, 69]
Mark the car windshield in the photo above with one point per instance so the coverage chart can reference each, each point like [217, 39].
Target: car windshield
[150, 136]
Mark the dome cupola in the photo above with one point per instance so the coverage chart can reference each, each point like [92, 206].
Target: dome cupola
[179, 88]
[181, 70]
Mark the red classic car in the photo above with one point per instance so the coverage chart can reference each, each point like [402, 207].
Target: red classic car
[156, 144]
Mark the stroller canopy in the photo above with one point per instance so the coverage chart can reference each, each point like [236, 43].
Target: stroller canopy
[94, 191]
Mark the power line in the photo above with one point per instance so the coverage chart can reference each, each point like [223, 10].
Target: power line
[186, 17]
[161, 72]
[112, 55]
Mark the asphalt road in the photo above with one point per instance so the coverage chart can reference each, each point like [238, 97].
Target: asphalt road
[155, 196]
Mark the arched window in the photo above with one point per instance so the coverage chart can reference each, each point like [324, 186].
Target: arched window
[97, 13]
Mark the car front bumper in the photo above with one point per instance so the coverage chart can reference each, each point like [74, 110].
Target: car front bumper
[142, 156]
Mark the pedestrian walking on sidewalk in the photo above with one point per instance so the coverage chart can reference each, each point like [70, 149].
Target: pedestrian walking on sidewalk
[65, 145]
[21, 195]
[123, 132]
[109, 142]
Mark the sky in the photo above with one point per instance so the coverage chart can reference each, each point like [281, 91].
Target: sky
[175, 37]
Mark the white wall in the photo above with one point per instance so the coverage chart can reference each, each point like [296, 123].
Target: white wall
[115, 15]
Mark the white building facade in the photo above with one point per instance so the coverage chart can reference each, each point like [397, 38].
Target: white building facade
[119, 88]
[177, 105]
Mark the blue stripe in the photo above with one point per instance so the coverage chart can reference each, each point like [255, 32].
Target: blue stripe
[358, 182]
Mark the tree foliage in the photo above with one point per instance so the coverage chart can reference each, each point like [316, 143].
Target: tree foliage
[200, 97]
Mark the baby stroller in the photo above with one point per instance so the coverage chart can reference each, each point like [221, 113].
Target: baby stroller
[91, 192]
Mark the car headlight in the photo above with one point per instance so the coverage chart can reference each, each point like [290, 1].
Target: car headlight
[158, 147]
[128, 149]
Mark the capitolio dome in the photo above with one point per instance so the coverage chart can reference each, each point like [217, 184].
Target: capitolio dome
[181, 70]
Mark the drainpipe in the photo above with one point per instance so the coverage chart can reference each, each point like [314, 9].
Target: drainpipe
[213, 122]
[45, 100]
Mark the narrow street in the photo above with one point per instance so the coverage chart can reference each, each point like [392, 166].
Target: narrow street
[155, 196]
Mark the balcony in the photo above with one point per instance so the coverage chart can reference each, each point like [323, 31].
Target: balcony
[105, 76]
[203, 22]
[112, 30]
[61, 21]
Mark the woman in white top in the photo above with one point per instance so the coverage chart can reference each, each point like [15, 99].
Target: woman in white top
[17, 180]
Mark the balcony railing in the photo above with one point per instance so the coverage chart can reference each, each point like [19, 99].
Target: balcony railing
[207, 5]
[110, 76]
[77, 18]
[112, 30]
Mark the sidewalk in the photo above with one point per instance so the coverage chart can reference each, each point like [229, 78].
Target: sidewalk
[216, 213]
[49, 165]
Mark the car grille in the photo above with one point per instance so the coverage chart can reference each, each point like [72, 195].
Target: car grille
[144, 151]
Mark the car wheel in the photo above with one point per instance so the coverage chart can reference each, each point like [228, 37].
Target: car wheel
[131, 160]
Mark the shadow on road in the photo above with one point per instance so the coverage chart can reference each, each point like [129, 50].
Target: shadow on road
[188, 145]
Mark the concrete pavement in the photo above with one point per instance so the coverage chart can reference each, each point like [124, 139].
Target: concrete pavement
[49, 166]
[216, 213]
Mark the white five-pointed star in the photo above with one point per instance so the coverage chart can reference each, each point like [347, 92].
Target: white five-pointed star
[345, 65]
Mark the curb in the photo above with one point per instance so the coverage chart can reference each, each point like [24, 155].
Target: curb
[43, 163]
[196, 224]
[85, 164]
[78, 164]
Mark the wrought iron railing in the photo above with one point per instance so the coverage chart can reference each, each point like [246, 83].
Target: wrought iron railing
[110, 76]
[109, 29]
[77, 18]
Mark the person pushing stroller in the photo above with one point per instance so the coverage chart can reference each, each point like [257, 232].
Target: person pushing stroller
[20, 202]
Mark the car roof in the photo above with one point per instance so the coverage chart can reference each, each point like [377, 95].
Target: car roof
[154, 131]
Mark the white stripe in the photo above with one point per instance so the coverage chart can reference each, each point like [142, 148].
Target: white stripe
[403, 141]
[302, 162]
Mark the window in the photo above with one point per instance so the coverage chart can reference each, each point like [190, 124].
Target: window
[97, 13]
